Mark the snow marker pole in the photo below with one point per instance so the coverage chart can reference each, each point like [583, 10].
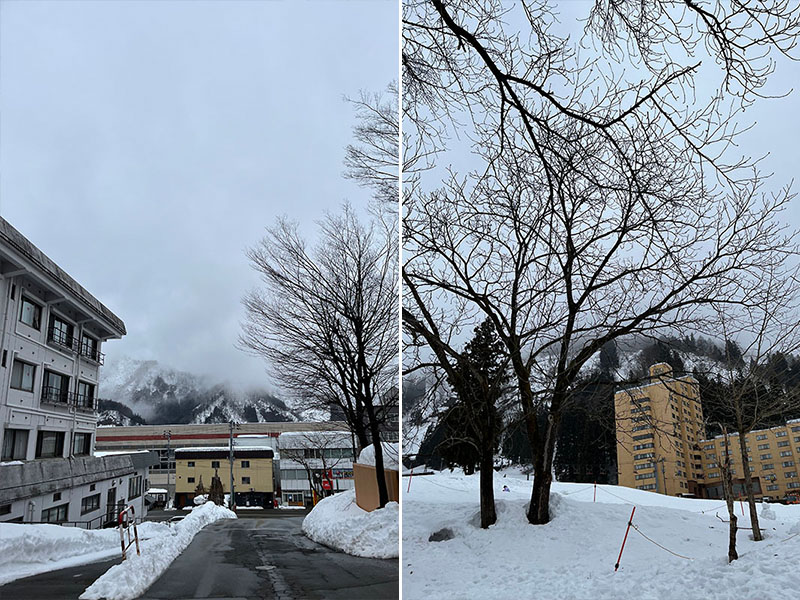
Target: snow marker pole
[741, 505]
[409, 480]
[627, 529]
[595, 492]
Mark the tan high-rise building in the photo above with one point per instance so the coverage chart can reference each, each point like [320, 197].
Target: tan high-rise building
[774, 455]
[659, 428]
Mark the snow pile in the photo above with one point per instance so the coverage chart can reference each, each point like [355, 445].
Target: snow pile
[391, 453]
[338, 522]
[573, 556]
[131, 578]
[27, 550]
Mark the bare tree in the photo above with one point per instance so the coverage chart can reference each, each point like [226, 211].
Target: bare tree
[748, 394]
[318, 453]
[727, 487]
[326, 320]
[599, 209]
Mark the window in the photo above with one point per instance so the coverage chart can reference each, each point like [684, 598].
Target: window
[85, 397]
[190, 479]
[786, 453]
[57, 514]
[90, 504]
[56, 496]
[768, 466]
[647, 436]
[780, 434]
[793, 485]
[89, 348]
[787, 463]
[245, 464]
[55, 388]
[773, 488]
[713, 475]
[766, 456]
[5, 509]
[92, 487]
[783, 444]
[645, 476]
[643, 446]
[649, 486]
[31, 314]
[763, 446]
[82, 444]
[134, 487]
[789, 474]
[15, 444]
[60, 332]
[190, 463]
[22, 375]
[645, 455]
[215, 464]
[643, 466]
[641, 427]
[246, 480]
[761, 436]
[50, 444]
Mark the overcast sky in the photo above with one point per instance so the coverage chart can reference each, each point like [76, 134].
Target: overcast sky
[145, 145]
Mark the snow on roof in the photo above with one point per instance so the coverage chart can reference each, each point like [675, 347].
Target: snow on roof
[157, 491]
[390, 455]
[102, 453]
[309, 439]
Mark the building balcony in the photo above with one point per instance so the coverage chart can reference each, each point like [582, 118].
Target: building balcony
[57, 396]
[59, 338]
[86, 403]
[91, 354]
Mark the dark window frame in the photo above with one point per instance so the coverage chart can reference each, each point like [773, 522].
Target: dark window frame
[23, 364]
[11, 434]
[90, 504]
[59, 435]
[58, 509]
[37, 314]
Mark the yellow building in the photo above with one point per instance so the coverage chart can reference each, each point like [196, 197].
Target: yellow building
[662, 445]
[774, 455]
[659, 426]
[253, 480]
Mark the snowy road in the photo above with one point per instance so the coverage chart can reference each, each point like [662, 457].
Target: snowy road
[270, 558]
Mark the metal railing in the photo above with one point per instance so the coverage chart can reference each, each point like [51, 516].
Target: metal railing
[55, 395]
[86, 350]
[124, 526]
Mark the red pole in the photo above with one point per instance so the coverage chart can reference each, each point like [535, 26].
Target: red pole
[627, 529]
[409, 480]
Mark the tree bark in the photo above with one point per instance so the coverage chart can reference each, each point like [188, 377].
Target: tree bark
[380, 474]
[748, 486]
[488, 512]
[539, 509]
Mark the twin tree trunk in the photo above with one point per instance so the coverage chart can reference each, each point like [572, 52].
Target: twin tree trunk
[748, 481]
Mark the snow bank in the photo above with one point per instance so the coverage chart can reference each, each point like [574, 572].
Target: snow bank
[27, 550]
[339, 523]
[573, 556]
[131, 578]
[391, 453]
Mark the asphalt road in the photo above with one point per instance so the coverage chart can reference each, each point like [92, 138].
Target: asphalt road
[251, 558]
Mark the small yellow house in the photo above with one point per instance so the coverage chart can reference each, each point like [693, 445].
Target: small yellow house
[253, 482]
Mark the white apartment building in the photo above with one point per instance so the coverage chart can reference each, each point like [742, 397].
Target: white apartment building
[325, 456]
[51, 334]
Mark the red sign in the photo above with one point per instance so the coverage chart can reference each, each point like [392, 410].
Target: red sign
[326, 484]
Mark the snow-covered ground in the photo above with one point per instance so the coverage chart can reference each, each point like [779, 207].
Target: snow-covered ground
[391, 455]
[131, 578]
[573, 556]
[339, 523]
[27, 550]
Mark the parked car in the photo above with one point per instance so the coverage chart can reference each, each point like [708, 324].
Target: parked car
[791, 499]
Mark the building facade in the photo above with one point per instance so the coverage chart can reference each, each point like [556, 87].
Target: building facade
[662, 445]
[51, 336]
[163, 439]
[253, 476]
[659, 427]
[324, 457]
[774, 456]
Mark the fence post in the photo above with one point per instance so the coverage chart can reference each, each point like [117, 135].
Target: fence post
[409, 480]
[595, 492]
[627, 529]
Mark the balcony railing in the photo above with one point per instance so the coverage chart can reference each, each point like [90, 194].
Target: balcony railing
[60, 338]
[83, 402]
[54, 395]
[91, 353]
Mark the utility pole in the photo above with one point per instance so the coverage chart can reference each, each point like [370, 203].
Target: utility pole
[231, 503]
[168, 434]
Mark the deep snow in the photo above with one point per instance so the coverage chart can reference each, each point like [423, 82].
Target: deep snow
[573, 556]
[131, 578]
[391, 453]
[339, 523]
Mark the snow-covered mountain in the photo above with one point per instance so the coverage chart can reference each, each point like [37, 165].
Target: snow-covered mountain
[161, 394]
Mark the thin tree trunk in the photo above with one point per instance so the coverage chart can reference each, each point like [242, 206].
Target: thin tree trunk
[380, 474]
[727, 484]
[488, 512]
[748, 486]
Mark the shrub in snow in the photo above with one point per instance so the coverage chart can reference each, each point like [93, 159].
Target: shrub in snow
[198, 500]
[338, 522]
[131, 578]
[767, 512]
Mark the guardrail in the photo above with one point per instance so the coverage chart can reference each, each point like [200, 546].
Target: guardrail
[124, 525]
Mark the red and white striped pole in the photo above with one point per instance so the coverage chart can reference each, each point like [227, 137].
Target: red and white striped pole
[627, 529]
